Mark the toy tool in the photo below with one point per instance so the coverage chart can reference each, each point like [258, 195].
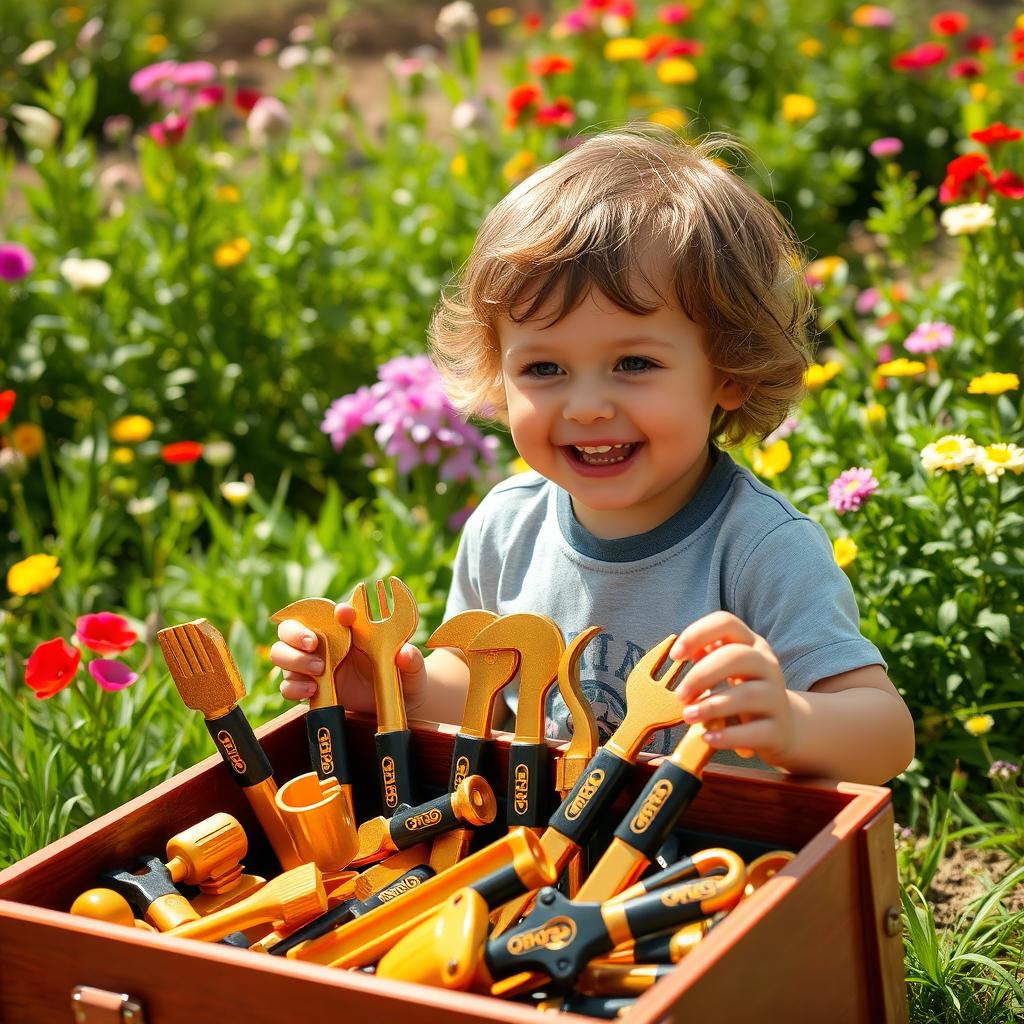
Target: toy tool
[663, 948]
[602, 1007]
[207, 679]
[472, 803]
[378, 876]
[539, 644]
[381, 641]
[499, 872]
[620, 979]
[325, 719]
[293, 898]
[107, 905]
[321, 820]
[489, 672]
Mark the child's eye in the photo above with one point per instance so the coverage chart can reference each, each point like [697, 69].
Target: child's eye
[541, 369]
[635, 364]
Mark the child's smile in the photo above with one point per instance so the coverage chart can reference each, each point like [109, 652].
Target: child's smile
[614, 407]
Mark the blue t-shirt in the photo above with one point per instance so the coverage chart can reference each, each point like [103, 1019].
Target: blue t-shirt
[736, 545]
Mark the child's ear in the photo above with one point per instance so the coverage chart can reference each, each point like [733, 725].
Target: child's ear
[731, 394]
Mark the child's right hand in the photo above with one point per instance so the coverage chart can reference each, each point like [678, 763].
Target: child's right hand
[294, 653]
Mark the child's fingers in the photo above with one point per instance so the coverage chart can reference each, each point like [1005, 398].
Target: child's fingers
[297, 687]
[295, 634]
[761, 734]
[344, 613]
[706, 630]
[732, 662]
[754, 698]
[286, 657]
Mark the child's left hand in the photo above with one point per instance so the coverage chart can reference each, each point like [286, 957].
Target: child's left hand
[730, 652]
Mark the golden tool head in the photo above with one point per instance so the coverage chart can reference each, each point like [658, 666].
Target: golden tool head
[319, 819]
[202, 668]
[300, 894]
[585, 739]
[764, 867]
[473, 801]
[651, 703]
[398, 620]
[489, 671]
[104, 905]
[381, 875]
[211, 849]
[334, 641]
[538, 640]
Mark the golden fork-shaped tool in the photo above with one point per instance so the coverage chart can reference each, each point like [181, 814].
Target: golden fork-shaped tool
[381, 640]
[489, 672]
[325, 719]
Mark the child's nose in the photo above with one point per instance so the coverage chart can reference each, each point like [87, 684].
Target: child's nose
[587, 404]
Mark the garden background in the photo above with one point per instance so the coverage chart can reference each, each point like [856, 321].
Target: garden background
[220, 245]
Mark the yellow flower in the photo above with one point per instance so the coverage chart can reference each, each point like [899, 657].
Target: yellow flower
[32, 574]
[954, 451]
[844, 549]
[825, 269]
[676, 71]
[625, 48]
[27, 438]
[74, 13]
[500, 16]
[994, 460]
[978, 725]
[122, 456]
[156, 43]
[993, 384]
[978, 91]
[228, 194]
[131, 429]
[238, 492]
[230, 254]
[459, 165]
[670, 117]
[901, 367]
[521, 164]
[797, 108]
[819, 374]
[771, 461]
[875, 414]
[810, 47]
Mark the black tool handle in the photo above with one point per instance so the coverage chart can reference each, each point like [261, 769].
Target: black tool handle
[328, 750]
[528, 785]
[670, 907]
[585, 808]
[394, 767]
[412, 879]
[240, 749]
[411, 825]
[669, 791]
[467, 758]
[602, 1007]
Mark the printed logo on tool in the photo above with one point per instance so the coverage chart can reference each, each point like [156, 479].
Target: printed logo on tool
[387, 771]
[702, 889]
[227, 742]
[590, 786]
[385, 895]
[521, 789]
[461, 769]
[422, 820]
[649, 809]
[555, 934]
[323, 739]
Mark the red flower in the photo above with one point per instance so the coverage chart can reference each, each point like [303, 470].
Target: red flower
[105, 632]
[978, 43]
[967, 68]
[560, 113]
[1017, 35]
[520, 100]
[997, 133]
[245, 99]
[532, 23]
[964, 176]
[684, 48]
[210, 96]
[673, 14]
[181, 451]
[595, 5]
[949, 23]
[551, 64]
[170, 131]
[51, 666]
[623, 9]
[6, 404]
[921, 56]
[1009, 184]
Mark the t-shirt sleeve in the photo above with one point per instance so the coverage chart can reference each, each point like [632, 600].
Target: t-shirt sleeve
[790, 590]
[464, 592]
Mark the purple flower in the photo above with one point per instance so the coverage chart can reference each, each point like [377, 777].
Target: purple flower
[929, 337]
[1005, 771]
[16, 261]
[347, 415]
[886, 146]
[111, 674]
[851, 489]
[867, 300]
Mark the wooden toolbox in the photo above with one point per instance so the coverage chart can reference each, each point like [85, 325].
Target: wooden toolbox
[819, 941]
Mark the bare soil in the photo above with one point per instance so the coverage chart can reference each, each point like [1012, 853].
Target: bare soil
[964, 876]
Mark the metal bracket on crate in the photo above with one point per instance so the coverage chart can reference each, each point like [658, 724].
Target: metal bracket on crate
[99, 1006]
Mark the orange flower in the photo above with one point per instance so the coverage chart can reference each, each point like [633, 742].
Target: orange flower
[181, 451]
[520, 100]
[6, 404]
[551, 64]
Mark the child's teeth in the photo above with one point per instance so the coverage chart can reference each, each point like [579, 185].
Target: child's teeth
[599, 450]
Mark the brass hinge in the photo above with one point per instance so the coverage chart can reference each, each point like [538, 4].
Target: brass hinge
[98, 1006]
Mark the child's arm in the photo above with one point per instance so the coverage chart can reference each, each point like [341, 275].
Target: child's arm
[851, 726]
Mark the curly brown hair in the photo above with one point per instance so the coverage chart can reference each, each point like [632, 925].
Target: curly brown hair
[592, 218]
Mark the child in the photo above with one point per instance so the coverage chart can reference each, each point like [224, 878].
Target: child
[628, 310]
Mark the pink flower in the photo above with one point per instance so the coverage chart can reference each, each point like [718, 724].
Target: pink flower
[148, 82]
[673, 14]
[170, 131]
[16, 261]
[105, 632]
[196, 72]
[885, 146]
[111, 675]
[929, 337]
[209, 96]
[884, 353]
[851, 489]
[867, 300]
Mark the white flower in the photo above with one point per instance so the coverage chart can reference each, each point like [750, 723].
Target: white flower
[39, 50]
[89, 33]
[238, 492]
[292, 57]
[993, 460]
[470, 114]
[968, 218]
[302, 34]
[218, 453]
[269, 119]
[954, 451]
[456, 20]
[38, 127]
[84, 275]
[142, 507]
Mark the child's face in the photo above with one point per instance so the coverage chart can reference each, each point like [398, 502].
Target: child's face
[605, 377]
